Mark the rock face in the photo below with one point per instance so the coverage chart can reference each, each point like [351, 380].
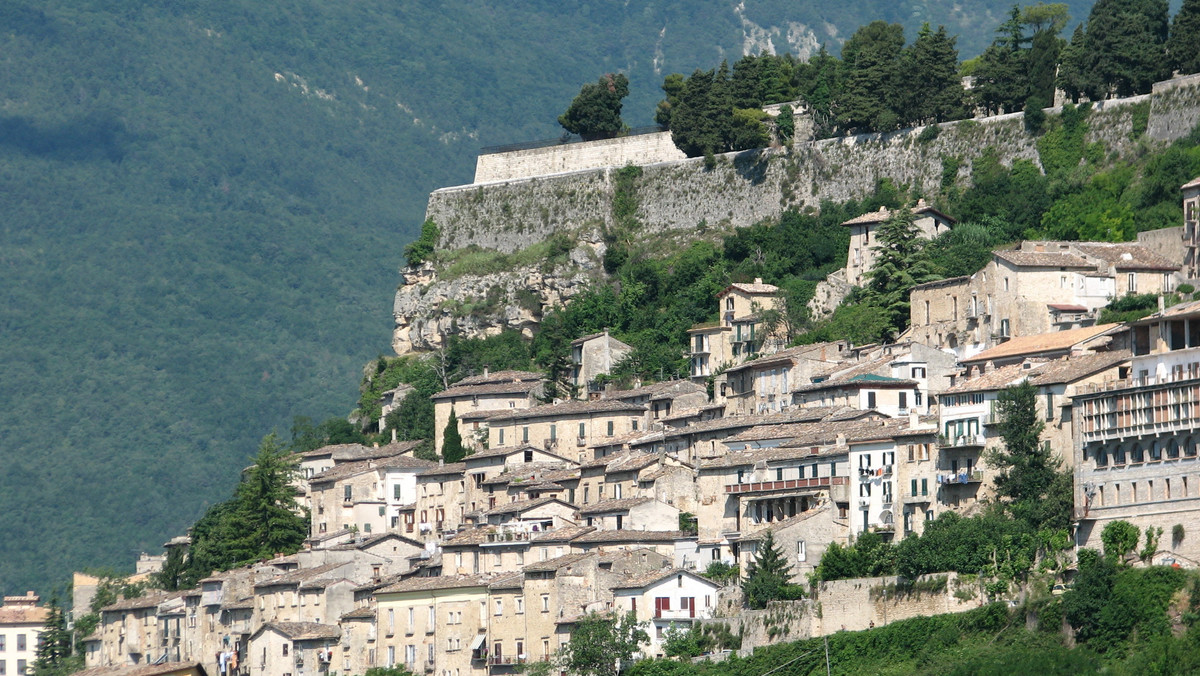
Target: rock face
[428, 309]
[676, 198]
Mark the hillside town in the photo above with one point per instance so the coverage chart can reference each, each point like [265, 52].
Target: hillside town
[623, 499]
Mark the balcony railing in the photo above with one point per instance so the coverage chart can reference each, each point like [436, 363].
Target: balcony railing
[961, 441]
[961, 477]
[673, 614]
[785, 485]
[505, 660]
[869, 472]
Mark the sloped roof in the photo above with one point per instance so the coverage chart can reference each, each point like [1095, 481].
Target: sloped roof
[567, 408]
[656, 390]
[305, 631]
[437, 582]
[499, 377]
[163, 669]
[1065, 370]
[302, 575]
[557, 562]
[884, 213]
[1194, 183]
[1040, 343]
[649, 578]
[564, 534]
[614, 505]
[1127, 255]
[603, 536]
[1043, 259]
[1175, 311]
[522, 506]
[518, 387]
[449, 468]
[753, 289]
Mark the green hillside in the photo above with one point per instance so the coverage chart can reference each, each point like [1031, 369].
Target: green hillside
[204, 205]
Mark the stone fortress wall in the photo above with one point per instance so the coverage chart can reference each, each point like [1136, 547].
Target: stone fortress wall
[677, 197]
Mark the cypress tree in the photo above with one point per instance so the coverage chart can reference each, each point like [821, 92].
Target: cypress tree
[901, 263]
[1183, 43]
[1075, 69]
[452, 446]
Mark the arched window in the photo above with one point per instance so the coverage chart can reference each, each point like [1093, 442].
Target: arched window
[1189, 447]
[1101, 456]
[1138, 455]
[1119, 455]
[1173, 450]
[1155, 450]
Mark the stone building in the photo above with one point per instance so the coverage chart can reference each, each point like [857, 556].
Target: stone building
[661, 599]
[566, 428]
[284, 648]
[1036, 288]
[738, 333]
[473, 399]
[367, 496]
[593, 356]
[860, 259]
[434, 623]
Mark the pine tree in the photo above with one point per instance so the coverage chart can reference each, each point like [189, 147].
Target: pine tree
[1030, 476]
[452, 446]
[174, 569]
[871, 61]
[1183, 44]
[1126, 40]
[932, 90]
[1075, 68]
[900, 264]
[596, 111]
[54, 651]
[769, 575]
[1000, 77]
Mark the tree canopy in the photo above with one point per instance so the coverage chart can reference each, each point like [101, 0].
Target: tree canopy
[596, 111]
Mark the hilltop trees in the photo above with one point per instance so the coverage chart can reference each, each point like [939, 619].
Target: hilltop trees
[901, 263]
[1120, 52]
[261, 520]
[596, 111]
[1183, 47]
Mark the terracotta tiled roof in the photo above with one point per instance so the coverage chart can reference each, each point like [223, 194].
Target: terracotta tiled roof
[884, 213]
[1064, 370]
[1127, 256]
[564, 534]
[780, 525]
[1178, 310]
[938, 283]
[143, 669]
[23, 615]
[708, 326]
[568, 408]
[1056, 341]
[515, 581]
[437, 582]
[520, 387]
[611, 506]
[665, 389]
[649, 578]
[302, 576]
[520, 506]
[345, 471]
[1194, 183]
[500, 377]
[791, 355]
[557, 562]
[147, 601]
[1043, 259]
[305, 631]
[364, 613]
[603, 536]
[449, 468]
[754, 288]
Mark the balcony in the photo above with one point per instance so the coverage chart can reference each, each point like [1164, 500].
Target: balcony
[785, 485]
[505, 660]
[961, 441]
[676, 614]
[917, 498]
[961, 477]
[872, 472]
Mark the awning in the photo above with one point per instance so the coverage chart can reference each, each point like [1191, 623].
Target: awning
[478, 641]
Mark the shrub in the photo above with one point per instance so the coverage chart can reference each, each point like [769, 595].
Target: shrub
[1119, 538]
[929, 133]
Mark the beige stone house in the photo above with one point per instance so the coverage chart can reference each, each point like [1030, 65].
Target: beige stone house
[473, 398]
[441, 502]
[437, 623]
[564, 429]
[630, 513]
[737, 334]
[281, 648]
[803, 539]
[764, 385]
[591, 357]
[365, 496]
[1036, 288]
[662, 399]
[860, 259]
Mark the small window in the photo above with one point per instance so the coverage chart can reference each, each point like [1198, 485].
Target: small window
[801, 551]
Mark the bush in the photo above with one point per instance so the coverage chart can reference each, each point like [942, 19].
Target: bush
[929, 133]
[419, 251]
[1119, 538]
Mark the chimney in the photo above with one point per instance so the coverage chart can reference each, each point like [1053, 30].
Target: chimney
[1161, 304]
[393, 435]
[758, 280]
[485, 370]
[913, 420]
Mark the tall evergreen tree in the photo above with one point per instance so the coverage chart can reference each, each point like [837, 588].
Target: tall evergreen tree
[871, 62]
[1127, 41]
[173, 572]
[672, 86]
[932, 90]
[769, 575]
[1000, 76]
[452, 445]
[1183, 43]
[1029, 470]
[901, 263]
[54, 650]
[1042, 64]
[1075, 67]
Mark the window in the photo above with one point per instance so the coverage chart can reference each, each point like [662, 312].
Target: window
[864, 490]
[545, 603]
[520, 606]
[432, 620]
[903, 400]
[582, 432]
[553, 432]
[285, 649]
[801, 551]
[1131, 282]
[347, 492]
[391, 660]
[870, 400]
[924, 486]
[396, 491]
[499, 607]
[610, 428]
[500, 433]
[1049, 406]
[525, 434]
[412, 619]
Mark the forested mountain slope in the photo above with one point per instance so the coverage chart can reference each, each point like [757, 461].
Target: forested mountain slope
[204, 204]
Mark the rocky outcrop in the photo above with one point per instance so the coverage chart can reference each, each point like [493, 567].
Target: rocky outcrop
[427, 309]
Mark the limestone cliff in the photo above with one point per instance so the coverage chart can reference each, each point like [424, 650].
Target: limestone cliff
[678, 199]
